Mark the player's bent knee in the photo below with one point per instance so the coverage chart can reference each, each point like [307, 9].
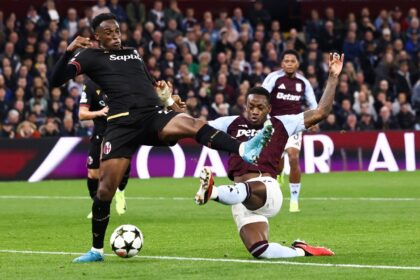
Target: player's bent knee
[258, 248]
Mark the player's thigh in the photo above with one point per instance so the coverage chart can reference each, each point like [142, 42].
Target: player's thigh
[253, 233]
[274, 198]
[258, 195]
[243, 216]
[181, 126]
[121, 141]
[111, 174]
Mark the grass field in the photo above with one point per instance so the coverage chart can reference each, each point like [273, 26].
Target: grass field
[370, 220]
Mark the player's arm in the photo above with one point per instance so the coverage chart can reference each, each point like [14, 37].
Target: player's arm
[312, 117]
[63, 71]
[85, 103]
[85, 114]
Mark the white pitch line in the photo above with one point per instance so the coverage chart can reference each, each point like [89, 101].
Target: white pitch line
[190, 198]
[274, 262]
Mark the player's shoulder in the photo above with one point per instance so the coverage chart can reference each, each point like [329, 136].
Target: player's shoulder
[276, 74]
[302, 78]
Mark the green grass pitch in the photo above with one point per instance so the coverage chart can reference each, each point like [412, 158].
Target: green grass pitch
[370, 220]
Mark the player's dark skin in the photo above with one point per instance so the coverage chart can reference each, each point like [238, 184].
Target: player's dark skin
[290, 64]
[257, 109]
[181, 126]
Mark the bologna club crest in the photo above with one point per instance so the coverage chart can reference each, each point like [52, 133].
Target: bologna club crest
[107, 148]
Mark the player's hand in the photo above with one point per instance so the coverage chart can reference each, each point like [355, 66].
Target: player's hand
[103, 112]
[336, 64]
[79, 43]
[179, 105]
[164, 91]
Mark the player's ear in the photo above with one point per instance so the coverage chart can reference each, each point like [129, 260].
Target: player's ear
[96, 35]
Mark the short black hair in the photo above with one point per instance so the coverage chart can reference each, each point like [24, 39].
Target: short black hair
[100, 18]
[259, 91]
[292, 52]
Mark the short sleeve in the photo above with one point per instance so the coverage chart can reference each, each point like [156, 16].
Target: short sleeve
[292, 123]
[81, 61]
[87, 94]
[222, 123]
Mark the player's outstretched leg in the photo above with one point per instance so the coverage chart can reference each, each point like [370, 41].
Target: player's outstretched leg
[183, 126]
[120, 202]
[311, 250]
[225, 194]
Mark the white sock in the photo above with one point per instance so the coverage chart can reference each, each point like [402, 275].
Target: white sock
[275, 250]
[118, 190]
[230, 195]
[294, 191]
[100, 251]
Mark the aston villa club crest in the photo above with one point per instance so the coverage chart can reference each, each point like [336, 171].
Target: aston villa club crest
[298, 87]
[107, 148]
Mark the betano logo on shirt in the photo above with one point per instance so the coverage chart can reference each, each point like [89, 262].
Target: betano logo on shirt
[114, 57]
[288, 96]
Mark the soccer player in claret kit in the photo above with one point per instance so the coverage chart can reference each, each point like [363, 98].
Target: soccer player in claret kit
[256, 194]
[288, 89]
[136, 115]
[92, 106]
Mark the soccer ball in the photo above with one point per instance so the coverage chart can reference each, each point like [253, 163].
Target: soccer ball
[126, 241]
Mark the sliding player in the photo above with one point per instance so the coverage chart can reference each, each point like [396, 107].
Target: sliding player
[256, 194]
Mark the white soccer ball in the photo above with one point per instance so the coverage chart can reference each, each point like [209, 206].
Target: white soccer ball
[126, 241]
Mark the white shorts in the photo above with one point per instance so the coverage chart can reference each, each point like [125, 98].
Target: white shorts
[243, 216]
[294, 141]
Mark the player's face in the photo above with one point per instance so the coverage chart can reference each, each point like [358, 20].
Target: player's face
[108, 34]
[290, 64]
[257, 108]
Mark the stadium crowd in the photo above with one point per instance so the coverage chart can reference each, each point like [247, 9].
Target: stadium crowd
[213, 61]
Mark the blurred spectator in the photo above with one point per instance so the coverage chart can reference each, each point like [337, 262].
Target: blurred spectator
[27, 129]
[329, 40]
[366, 122]
[156, 15]
[259, 14]
[406, 119]
[219, 106]
[71, 22]
[117, 10]
[351, 123]
[68, 128]
[50, 128]
[385, 120]
[136, 13]
[329, 124]
[7, 130]
[100, 8]
[173, 12]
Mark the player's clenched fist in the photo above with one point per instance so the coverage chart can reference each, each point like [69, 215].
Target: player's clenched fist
[79, 42]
